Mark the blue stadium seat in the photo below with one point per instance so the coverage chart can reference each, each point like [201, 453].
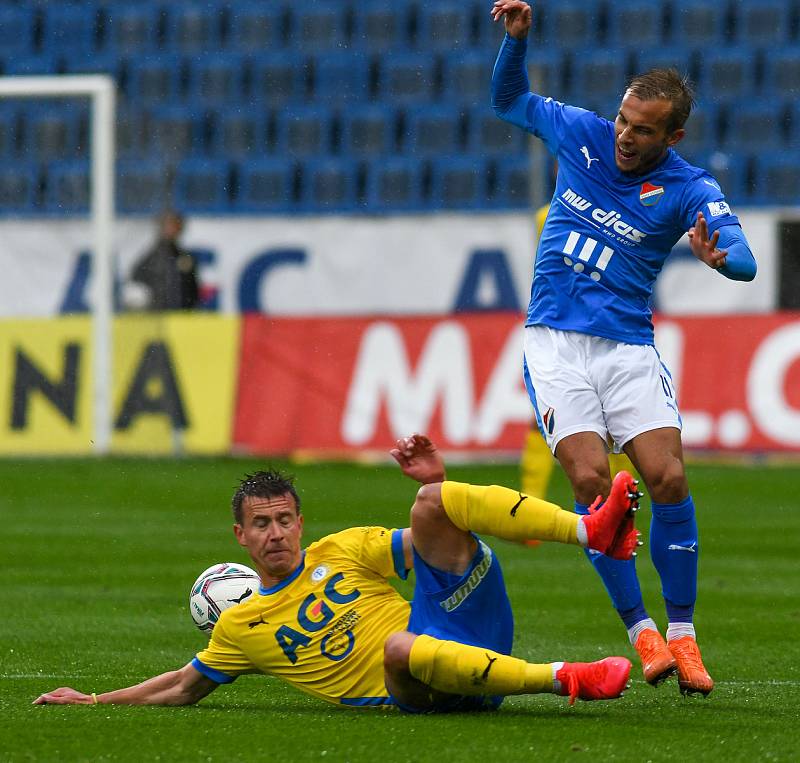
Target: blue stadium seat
[487, 135]
[395, 184]
[143, 186]
[176, 130]
[572, 24]
[132, 28]
[777, 178]
[329, 185]
[70, 28]
[154, 79]
[666, 57]
[256, 27]
[763, 121]
[303, 131]
[640, 23]
[729, 169]
[598, 76]
[193, 27]
[458, 183]
[277, 79]
[203, 185]
[10, 121]
[319, 26]
[266, 185]
[433, 130]
[94, 63]
[381, 25]
[16, 30]
[446, 26]
[55, 129]
[19, 182]
[407, 78]
[44, 63]
[466, 77]
[728, 75]
[341, 77]
[782, 73]
[368, 130]
[699, 23]
[240, 132]
[67, 187]
[512, 183]
[763, 22]
[132, 132]
[217, 79]
[702, 129]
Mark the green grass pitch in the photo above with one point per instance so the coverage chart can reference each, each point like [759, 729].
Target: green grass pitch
[98, 556]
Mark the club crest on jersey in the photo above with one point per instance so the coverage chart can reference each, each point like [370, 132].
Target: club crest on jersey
[319, 573]
[651, 194]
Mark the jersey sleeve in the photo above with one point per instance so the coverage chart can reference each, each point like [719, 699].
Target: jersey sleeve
[703, 194]
[378, 549]
[222, 661]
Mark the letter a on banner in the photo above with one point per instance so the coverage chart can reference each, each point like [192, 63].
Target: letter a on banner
[155, 368]
[486, 266]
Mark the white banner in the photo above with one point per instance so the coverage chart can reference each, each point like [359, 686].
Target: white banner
[426, 264]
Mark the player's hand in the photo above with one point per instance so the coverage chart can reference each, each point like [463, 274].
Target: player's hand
[705, 248]
[64, 696]
[419, 459]
[515, 14]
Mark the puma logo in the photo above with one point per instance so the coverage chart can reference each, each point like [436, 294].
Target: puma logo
[516, 505]
[492, 661]
[247, 593]
[676, 547]
[260, 621]
[589, 159]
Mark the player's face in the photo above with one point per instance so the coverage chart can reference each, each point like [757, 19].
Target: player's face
[641, 137]
[271, 530]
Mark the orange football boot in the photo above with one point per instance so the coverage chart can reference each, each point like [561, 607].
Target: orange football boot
[658, 662]
[693, 677]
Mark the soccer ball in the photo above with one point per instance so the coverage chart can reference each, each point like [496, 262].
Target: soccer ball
[217, 588]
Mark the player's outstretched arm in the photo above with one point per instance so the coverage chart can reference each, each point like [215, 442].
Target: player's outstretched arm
[177, 687]
[419, 458]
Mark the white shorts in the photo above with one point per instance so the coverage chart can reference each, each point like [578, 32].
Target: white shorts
[583, 383]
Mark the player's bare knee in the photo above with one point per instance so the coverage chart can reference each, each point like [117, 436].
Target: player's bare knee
[396, 652]
[669, 485]
[588, 483]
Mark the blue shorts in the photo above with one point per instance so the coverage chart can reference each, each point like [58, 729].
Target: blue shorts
[472, 609]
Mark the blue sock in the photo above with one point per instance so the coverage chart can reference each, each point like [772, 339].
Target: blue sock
[619, 578]
[674, 549]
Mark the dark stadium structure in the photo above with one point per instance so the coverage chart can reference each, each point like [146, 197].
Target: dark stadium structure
[376, 107]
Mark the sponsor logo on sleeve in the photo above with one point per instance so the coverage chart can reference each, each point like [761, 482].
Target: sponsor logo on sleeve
[718, 208]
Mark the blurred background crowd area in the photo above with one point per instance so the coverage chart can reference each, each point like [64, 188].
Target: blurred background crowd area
[378, 106]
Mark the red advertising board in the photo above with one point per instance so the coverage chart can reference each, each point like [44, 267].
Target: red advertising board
[351, 384]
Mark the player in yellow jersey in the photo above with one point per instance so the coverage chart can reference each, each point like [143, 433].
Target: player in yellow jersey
[327, 621]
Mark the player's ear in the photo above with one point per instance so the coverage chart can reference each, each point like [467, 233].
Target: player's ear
[676, 137]
[238, 531]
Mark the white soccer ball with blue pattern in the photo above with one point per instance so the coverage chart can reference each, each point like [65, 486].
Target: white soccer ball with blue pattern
[217, 588]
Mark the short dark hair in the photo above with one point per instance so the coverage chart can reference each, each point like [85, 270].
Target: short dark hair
[269, 483]
[668, 85]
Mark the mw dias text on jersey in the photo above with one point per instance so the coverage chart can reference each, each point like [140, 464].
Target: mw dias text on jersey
[321, 629]
[608, 233]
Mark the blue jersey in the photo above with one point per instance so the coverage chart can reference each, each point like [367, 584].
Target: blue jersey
[608, 233]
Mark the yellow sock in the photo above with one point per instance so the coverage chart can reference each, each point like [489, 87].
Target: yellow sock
[507, 514]
[536, 465]
[460, 669]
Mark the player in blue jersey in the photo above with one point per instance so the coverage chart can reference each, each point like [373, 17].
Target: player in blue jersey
[326, 619]
[623, 198]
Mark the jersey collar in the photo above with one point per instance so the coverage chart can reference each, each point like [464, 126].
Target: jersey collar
[286, 581]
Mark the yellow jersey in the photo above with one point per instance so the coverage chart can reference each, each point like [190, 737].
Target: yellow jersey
[322, 629]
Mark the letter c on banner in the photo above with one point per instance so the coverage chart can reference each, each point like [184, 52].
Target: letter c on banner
[257, 269]
[766, 396]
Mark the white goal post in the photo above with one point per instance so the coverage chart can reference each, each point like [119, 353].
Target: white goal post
[100, 89]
